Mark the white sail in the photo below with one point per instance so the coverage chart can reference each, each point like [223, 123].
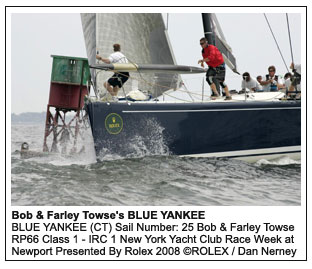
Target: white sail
[143, 40]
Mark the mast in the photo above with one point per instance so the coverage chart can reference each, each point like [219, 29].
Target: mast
[213, 38]
[208, 28]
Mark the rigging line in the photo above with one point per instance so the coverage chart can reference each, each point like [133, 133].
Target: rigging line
[96, 74]
[149, 83]
[188, 92]
[138, 70]
[291, 51]
[142, 79]
[159, 85]
[162, 86]
[155, 84]
[276, 42]
[174, 97]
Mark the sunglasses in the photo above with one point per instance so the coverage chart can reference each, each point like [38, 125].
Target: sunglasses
[271, 70]
[202, 43]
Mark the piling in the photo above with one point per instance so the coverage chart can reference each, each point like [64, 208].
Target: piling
[70, 83]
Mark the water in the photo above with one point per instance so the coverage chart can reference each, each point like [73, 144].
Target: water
[152, 180]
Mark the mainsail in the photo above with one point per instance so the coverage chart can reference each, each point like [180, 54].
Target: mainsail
[143, 40]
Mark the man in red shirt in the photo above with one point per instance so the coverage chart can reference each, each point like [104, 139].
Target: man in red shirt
[214, 59]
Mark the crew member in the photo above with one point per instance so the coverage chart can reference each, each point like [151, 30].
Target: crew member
[296, 80]
[214, 59]
[249, 83]
[118, 79]
[271, 81]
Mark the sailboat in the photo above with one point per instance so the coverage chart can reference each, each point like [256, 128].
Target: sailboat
[239, 128]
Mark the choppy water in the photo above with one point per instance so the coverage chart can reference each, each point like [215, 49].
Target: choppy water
[151, 180]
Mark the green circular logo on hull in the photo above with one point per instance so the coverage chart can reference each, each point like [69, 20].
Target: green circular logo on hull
[113, 123]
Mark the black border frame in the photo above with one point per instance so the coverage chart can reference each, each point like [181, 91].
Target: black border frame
[306, 216]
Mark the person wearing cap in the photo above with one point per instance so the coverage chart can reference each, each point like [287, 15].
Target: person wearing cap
[119, 78]
[249, 83]
[271, 82]
[214, 59]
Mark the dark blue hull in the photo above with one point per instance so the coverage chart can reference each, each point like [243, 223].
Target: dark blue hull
[199, 129]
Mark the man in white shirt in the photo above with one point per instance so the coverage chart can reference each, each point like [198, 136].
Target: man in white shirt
[249, 83]
[259, 79]
[271, 82]
[118, 79]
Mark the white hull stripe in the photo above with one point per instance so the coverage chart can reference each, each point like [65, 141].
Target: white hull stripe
[251, 153]
[208, 110]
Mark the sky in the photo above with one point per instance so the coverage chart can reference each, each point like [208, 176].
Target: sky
[35, 36]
